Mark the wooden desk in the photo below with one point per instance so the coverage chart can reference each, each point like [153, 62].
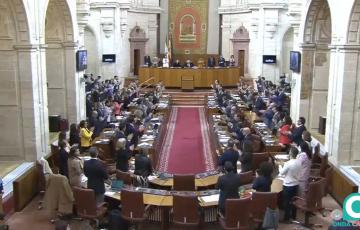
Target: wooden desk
[167, 200]
[202, 77]
[199, 182]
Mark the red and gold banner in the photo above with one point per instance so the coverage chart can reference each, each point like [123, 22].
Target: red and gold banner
[188, 25]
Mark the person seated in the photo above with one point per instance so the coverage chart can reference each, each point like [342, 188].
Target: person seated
[230, 155]
[211, 62]
[221, 61]
[188, 64]
[147, 61]
[229, 185]
[177, 64]
[263, 180]
[165, 62]
[232, 61]
[155, 61]
[143, 166]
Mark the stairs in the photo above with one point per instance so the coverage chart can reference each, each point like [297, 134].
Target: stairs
[188, 98]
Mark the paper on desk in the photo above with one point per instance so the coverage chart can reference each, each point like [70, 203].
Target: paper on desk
[210, 198]
[109, 193]
[151, 178]
[281, 157]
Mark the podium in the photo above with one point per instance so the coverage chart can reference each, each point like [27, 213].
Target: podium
[187, 83]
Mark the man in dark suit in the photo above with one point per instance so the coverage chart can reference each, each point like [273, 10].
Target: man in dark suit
[211, 62]
[296, 134]
[177, 64]
[188, 64]
[229, 185]
[143, 166]
[221, 61]
[231, 155]
[95, 171]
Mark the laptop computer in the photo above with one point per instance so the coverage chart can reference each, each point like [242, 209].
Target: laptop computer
[117, 185]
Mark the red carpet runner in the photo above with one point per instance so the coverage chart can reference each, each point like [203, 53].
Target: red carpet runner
[186, 148]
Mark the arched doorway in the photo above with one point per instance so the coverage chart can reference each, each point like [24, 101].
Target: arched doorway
[287, 46]
[62, 81]
[137, 49]
[22, 107]
[92, 50]
[240, 43]
[315, 66]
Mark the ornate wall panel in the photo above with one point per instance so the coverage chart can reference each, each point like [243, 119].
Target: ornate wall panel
[188, 25]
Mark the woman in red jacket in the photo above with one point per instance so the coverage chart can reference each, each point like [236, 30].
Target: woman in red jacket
[284, 139]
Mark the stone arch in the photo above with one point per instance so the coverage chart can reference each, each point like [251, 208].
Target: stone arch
[315, 63]
[317, 8]
[62, 14]
[353, 34]
[138, 42]
[351, 95]
[240, 41]
[62, 85]
[90, 42]
[19, 15]
[287, 44]
[18, 96]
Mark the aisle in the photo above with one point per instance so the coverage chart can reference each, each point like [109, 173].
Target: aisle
[186, 148]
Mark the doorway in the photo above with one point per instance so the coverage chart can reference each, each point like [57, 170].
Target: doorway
[241, 61]
[136, 61]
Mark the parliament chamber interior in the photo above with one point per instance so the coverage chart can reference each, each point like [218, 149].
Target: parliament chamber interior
[179, 114]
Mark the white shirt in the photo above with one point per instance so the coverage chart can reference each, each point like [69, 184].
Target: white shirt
[291, 172]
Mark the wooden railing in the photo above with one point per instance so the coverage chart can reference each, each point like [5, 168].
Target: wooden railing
[150, 79]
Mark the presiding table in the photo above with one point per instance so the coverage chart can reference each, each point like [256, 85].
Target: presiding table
[162, 200]
[189, 77]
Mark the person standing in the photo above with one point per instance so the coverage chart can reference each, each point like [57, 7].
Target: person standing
[96, 173]
[305, 160]
[291, 172]
[75, 167]
[230, 155]
[85, 136]
[123, 155]
[63, 159]
[229, 185]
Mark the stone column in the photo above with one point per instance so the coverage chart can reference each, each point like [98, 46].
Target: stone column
[75, 100]
[33, 103]
[343, 111]
[305, 86]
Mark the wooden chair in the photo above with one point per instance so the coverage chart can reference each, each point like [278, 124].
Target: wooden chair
[319, 169]
[316, 157]
[260, 201]
[41, 183]
[186, 211]
[234, 219]
[246, 177]
[124, 176]
[86, 206]
[313, 201]
[133, 208]
[184, 182]
[258, 158]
